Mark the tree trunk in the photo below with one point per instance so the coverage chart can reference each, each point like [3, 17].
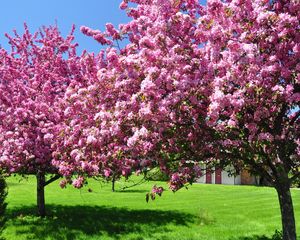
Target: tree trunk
[287, 211]
[113, 183]
[41, 194]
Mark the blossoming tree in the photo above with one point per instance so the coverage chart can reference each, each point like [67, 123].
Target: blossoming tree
[255, 104]
[139, 113]
[254, 47]
[216, 84]
[33, 78]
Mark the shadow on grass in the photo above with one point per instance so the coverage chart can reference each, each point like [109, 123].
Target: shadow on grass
[255, 237]
[276, 236]
[131, 191]
[67, 222]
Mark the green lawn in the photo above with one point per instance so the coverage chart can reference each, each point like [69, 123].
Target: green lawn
[202, 212]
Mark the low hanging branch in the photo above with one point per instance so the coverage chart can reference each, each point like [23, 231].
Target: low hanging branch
[56, 177]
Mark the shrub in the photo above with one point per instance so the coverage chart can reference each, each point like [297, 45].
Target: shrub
[3, 204]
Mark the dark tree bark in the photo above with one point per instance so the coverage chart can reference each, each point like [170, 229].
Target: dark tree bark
[41, 179]
[287, 211]
[113, 183]
[41, 184]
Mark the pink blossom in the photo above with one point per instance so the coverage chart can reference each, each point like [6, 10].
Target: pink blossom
[91, 139]
[78, 182]
[107, 172]
[157, 190]
[63, 183]
[123, 5]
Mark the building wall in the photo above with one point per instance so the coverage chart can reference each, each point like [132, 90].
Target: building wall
[213, 177]
[201, 179]
[228, 180]
[237, 180]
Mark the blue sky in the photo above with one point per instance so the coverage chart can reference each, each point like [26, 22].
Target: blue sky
[92, 13]
[36, 13]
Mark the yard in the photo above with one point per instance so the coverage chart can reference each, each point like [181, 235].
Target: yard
[94, 212]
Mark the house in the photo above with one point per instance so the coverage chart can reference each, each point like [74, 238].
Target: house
[219, 176]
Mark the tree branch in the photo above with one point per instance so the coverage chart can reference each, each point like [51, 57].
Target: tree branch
[135, 184]
[258, 167]
[269, 163]
[294, 119]
[51, 180]
[279, 120]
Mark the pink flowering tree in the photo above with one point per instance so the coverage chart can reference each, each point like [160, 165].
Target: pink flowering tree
[254, 51]
[90, 142]
[33, 79]
[144, 105]
[216, 84]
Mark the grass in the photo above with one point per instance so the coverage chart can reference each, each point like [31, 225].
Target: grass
[202, 212]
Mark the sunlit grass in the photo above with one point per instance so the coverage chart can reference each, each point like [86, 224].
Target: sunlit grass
[202, 212]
